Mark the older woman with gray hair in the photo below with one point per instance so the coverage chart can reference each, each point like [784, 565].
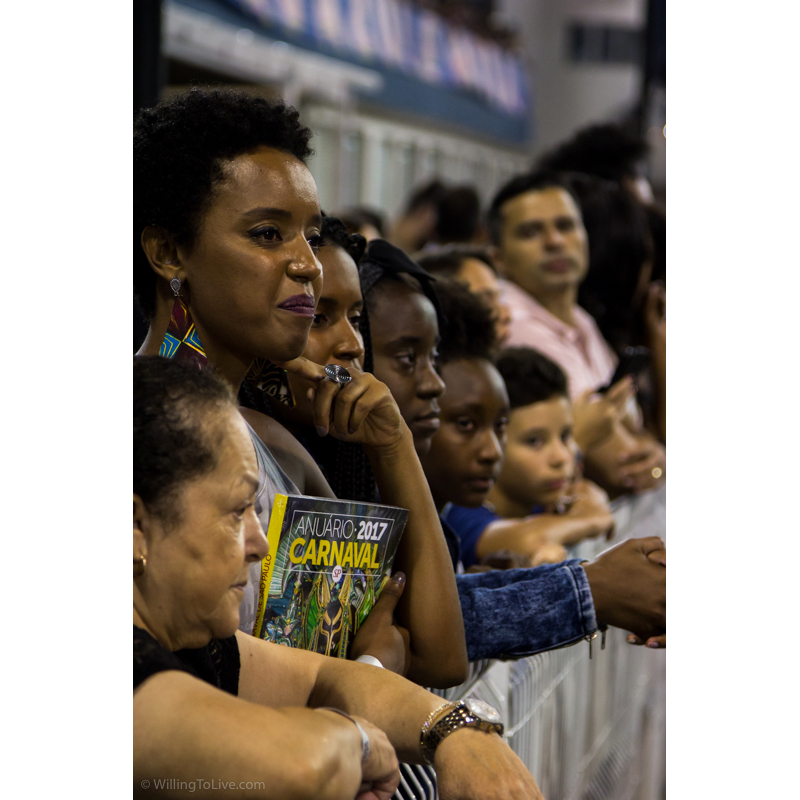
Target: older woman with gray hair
[216, 709]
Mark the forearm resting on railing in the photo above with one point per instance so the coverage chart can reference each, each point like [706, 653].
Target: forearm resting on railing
[527, 535]
[186, 730]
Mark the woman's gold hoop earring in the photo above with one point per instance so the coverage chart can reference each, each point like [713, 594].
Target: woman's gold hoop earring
[138, 566]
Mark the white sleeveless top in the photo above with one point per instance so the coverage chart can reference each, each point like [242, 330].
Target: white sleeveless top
[272, 480]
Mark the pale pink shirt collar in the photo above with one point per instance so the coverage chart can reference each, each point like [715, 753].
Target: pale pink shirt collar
[579, 350]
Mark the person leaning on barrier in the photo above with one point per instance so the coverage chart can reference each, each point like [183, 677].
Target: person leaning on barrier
[226, 230]
[621, 587]
[212, 701]
[555, 604]
[540, 247]
[538, 503]
[595, 414]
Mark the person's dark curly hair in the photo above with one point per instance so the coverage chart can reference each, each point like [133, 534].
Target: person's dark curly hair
[179, 147]
[334, 231]
[536, 181]
[605, 150]
[530, 376]
[468, 331]
[170, 447]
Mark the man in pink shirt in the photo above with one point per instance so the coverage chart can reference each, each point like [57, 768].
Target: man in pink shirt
[541, 248]
[578, 347]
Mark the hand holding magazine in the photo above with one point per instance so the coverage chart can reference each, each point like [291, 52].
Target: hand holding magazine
[327, 564]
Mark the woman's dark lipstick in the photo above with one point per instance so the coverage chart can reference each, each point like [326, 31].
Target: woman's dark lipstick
[302, 304]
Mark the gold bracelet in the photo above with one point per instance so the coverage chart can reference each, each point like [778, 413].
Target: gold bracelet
[428, 722]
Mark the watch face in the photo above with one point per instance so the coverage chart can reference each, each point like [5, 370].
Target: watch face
[482, 710]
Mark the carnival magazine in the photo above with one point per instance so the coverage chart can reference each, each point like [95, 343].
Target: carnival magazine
[327, 563]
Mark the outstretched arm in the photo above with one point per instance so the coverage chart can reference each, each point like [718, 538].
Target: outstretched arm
[624, 586]
[629, 586]
[526, 536]
[589, 515]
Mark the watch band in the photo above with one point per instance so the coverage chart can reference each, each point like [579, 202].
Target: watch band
[365, 746]
[426, 726]
[458, 715]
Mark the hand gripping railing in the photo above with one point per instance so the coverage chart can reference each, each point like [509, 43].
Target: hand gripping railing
[587, 729]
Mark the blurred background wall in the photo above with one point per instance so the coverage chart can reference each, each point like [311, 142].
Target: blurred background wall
[594, 61]
[401, 91]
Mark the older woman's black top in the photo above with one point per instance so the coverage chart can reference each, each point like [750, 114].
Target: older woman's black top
[217, 663]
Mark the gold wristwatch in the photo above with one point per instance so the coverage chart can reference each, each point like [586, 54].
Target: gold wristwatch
[452, 716]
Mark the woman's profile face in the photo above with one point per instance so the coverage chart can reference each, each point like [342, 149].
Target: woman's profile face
[466, 453]
[335, 336]
[405, 332]
[197, 569]
[252, 276]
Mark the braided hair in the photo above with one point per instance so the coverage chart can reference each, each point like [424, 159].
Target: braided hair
[344, 464]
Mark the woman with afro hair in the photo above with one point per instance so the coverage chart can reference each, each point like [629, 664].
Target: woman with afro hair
[227, 229]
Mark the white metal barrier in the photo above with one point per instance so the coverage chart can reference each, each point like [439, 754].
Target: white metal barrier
[586, 729]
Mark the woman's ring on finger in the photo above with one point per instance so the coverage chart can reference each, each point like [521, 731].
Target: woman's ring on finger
[337, 374]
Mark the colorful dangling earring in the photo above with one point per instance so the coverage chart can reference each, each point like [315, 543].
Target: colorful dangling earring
[181, 340]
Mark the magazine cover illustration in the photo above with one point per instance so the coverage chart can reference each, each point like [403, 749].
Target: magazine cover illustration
[327, 563]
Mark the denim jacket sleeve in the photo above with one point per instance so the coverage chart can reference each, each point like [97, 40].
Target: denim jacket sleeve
[520, 612]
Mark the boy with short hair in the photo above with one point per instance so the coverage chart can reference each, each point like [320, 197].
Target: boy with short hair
[519, 611]
[538, 499]
[467, 453]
